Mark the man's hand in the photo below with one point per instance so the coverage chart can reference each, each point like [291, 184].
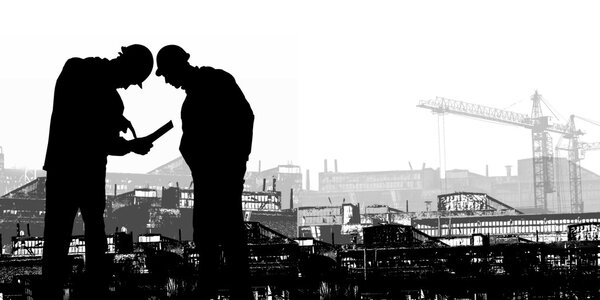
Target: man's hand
[125, 125]
[140, 146]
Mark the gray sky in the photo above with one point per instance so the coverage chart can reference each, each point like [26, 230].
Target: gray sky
[327, 79]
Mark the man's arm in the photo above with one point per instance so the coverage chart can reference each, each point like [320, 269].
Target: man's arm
[121, 146]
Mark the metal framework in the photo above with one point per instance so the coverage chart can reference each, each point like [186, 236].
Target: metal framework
[543, 161]
[575, 169]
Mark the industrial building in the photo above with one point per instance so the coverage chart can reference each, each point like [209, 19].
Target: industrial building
[170, 214]
[161, 267]
[458, 216]
[284, 178]
[400, 262]
[419, 188]
[141, 210]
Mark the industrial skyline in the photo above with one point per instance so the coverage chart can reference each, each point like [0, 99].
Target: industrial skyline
[331, 88]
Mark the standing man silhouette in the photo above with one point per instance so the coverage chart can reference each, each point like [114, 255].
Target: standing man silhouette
[217, 124]
[87, 118]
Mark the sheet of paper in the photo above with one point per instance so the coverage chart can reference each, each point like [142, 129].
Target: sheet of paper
[159, 132]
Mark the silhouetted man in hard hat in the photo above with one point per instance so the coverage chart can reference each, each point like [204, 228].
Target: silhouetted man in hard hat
[217, 124]
[87, 119]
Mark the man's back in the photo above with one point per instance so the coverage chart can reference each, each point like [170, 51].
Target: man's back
[217, 120]
[85, 113]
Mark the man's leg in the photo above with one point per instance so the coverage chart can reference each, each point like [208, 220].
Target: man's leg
[236, 253]
[206, 231]
[235, 243]
[61, 209]
[97, 265]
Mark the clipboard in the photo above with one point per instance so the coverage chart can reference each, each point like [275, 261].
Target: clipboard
[159, 132]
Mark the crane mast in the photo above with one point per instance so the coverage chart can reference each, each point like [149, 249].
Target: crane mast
[574, 167]
[543, 157]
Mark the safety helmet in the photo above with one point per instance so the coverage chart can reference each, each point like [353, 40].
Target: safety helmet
[170, 57]
[139, 62]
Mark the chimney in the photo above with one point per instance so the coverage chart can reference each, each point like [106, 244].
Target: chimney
[291, 198]
[308, 180]
[508, 169]
[115, 190]
[264, 184]
[274, 180]
[180, 234]
[28, 230]
[406, 205]
[259, 166]
[335, 165]
[487, 171]
[1, 159]
[325, 164]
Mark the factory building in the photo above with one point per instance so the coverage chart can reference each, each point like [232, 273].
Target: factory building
[284, 178]
[417, 188]
[458, 216]
[400, 262]
[170, 212]
[32, 246]
[23, 209]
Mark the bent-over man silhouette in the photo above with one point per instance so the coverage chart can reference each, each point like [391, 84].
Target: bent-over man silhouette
[217, 124]
[87, 118]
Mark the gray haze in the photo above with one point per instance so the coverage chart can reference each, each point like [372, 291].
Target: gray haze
[336, 80]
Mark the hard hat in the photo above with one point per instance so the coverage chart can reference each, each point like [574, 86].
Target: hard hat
[170, 57]
[139, 62]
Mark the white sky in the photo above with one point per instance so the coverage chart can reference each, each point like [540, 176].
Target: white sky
[326, 80]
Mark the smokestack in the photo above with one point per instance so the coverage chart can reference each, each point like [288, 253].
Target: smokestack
[259, 166]
[28, 231]
[332, 237]
[180, 234]
[274, 180]
[325, 164]
[264, 184]
[406, 205]
[508, 169]
[291, 198]
[308, 180]
[335, 165]
[115, 190]
[1, 159]
[487, 171]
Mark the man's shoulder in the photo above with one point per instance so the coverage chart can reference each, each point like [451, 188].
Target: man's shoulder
[213, 72]
[73, 63]
[85, 64]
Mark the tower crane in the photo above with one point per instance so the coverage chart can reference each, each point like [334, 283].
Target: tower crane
[541, 127]
[576, 152]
